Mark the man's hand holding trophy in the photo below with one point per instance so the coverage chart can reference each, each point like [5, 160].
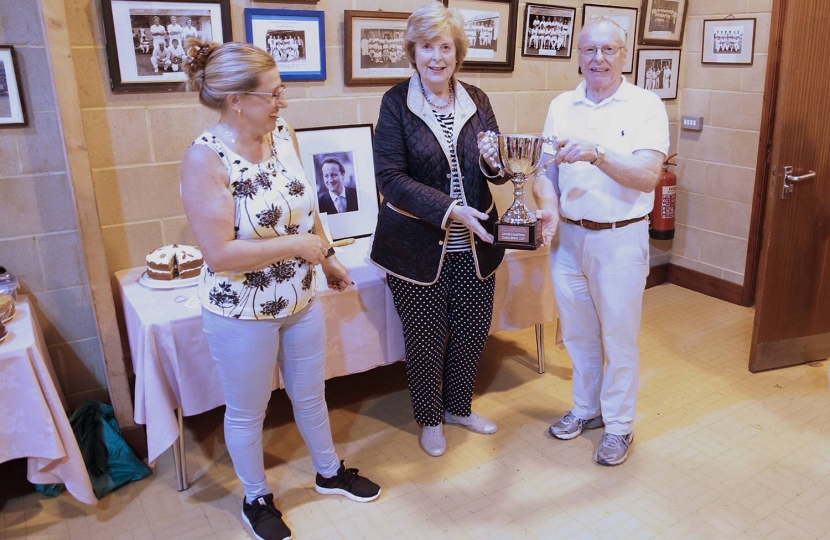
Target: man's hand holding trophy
[517, 156]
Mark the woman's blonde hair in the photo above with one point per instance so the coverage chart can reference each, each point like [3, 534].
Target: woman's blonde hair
[218, 70]
[436, 20]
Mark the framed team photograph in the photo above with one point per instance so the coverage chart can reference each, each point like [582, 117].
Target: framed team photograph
[295, 38]
[374, 48]
[662, 22]
[626, 18]
[728, 41]
[12, 104]
[490, 26]
[548, 31]
[657, 71]
[145, 40]
[338, 161]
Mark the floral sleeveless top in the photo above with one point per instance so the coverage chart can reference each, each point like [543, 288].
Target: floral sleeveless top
[271, 199]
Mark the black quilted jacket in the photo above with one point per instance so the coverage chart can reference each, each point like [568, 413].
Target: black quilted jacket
[412, 168]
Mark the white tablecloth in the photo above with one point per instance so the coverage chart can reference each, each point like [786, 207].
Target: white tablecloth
[174, 368]
[33, 421]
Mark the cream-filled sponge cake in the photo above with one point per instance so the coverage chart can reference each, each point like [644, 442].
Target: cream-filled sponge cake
[174, 262]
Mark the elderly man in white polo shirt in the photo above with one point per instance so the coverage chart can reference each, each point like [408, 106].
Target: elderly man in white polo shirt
[611, 140]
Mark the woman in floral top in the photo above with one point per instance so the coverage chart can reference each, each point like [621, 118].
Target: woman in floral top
[252, 212]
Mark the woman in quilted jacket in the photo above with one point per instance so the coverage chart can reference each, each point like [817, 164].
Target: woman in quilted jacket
[434, 233]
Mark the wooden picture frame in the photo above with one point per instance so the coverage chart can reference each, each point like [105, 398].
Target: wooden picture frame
[136, 29]
[12, 104]
[662, 22]
[728, 41]
[658, 71]
[625, 17]
[348, 148]
[491, 29]
[548, 31]
[374, 48]
[296, 39]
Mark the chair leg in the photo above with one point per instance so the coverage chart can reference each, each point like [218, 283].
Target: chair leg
[540, 347]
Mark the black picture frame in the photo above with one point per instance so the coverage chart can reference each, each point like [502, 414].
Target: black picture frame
[537, 31]
[366, 64]
[304, 58]
[494, 43]
[625, 17]
[658, 70]
[351, 145]
[662, 22]
[12, 103]
[738, 42]
[132, 39]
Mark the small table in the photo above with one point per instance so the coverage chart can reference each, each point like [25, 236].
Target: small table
[33, 413]
[176, 376]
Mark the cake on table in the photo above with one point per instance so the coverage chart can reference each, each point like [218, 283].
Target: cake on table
[174, 262]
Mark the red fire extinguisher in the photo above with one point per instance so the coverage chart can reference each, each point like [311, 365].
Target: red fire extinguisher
[661, 217]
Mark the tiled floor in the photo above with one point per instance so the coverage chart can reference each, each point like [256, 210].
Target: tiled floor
[719, 453]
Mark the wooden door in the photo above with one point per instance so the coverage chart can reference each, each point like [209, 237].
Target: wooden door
[792, 311]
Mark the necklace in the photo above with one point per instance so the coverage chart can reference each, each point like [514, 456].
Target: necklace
[228, 133]
[437, 105]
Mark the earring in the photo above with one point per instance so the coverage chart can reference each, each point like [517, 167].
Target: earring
[238, 111]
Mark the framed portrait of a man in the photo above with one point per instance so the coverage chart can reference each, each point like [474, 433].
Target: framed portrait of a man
[338, 161]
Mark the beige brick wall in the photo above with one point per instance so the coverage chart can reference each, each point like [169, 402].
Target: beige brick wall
[135, 142]
[716, 167]
[38, 231]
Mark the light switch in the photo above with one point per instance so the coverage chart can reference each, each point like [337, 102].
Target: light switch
[691, 123]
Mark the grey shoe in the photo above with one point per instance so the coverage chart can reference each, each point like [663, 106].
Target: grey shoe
[569, 426]
[475, 422]
[613, 449]
[432, 440]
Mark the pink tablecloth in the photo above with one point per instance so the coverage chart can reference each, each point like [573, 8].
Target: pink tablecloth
[172, 362]
[33, 421]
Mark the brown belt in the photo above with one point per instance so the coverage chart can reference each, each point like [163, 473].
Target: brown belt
[594, 226]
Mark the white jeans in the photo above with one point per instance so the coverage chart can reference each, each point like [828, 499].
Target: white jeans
[245, 352]
[598, 280]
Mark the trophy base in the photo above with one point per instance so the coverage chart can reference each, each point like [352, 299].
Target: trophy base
[527, 236]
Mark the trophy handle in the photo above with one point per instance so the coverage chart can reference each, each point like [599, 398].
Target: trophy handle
[539, 166]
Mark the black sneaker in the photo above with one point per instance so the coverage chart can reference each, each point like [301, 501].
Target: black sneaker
[264, 519]
[349, 484]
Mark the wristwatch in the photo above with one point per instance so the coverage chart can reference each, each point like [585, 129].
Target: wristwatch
[600, 155]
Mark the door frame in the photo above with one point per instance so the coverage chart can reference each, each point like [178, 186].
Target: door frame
[752, 269]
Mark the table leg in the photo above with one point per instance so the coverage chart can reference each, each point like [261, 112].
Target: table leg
[540, 347]
[180, 455]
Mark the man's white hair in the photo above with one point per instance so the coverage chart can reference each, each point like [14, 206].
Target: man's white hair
[599, 19]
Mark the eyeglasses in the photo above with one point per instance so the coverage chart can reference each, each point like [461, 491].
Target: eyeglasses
[275, 95]
[607, 51]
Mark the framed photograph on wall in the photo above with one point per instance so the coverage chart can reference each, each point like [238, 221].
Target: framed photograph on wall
[728, 41]
[657, 71]
[548, 31]
[626, 18]
[490, 26]
[12, 104]
[295, 38]
[338, 161]
[145, 40]
[374, 48]
[662, 22]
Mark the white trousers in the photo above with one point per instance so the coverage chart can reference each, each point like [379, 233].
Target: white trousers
[598, 280]
[245, 352]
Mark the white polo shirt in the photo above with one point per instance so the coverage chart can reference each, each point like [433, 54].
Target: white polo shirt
[631, 119]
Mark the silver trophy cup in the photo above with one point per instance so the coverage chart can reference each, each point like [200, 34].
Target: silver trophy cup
[519, 158]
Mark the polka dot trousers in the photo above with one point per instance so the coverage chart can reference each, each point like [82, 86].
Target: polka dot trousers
[445, 326]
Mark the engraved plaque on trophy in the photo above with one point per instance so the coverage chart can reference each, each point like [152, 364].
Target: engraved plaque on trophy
[519, 158]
